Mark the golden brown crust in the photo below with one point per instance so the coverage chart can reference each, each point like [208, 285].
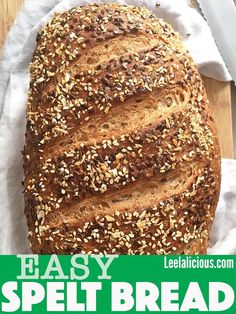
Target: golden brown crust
[121, 152]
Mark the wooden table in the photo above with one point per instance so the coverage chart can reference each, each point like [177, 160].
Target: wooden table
[218, 92]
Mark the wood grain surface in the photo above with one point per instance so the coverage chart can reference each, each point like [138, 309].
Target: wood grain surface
[219, 95]
[218, 92]
[8, 11]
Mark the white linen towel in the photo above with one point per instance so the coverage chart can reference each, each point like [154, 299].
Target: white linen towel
[14, 81]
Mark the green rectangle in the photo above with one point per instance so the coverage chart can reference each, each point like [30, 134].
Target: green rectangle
[161, 284]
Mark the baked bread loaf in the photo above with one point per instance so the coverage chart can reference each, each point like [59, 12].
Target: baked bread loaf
[121, 152]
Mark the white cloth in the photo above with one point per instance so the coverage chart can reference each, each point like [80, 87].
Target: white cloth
[223, 240]
[14, 81]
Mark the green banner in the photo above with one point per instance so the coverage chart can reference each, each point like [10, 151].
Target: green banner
[117, 284]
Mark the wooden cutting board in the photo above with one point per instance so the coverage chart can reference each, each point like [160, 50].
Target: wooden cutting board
[219, 93]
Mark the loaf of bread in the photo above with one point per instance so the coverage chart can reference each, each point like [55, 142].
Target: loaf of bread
[121, 152]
